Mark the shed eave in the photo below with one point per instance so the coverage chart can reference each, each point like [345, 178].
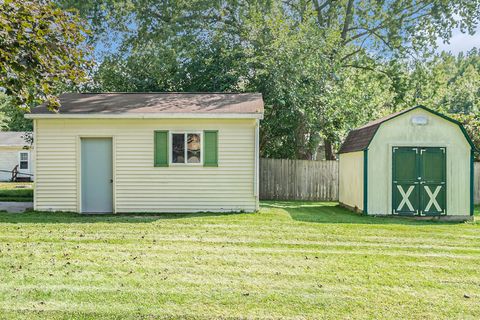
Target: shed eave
[352, 151]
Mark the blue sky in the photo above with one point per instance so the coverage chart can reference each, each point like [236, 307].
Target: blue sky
[460, 42]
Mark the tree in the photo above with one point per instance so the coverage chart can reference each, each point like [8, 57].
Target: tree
[41, 46]
[371, 33]
[323, 66]
[447, 83]
[289, 67]
[12, 118]
[471, 122]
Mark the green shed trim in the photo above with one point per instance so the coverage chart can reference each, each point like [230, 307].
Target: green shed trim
[210, 157]
[472, 171]
[365, 181]
[360, 139]
[160, 149]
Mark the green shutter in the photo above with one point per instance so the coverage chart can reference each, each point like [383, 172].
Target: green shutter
[210, 157]
[161, 149]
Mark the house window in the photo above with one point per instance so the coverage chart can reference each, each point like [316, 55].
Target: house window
[23, 160]
[186, 148]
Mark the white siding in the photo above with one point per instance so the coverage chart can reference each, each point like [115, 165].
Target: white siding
[437, 133]
[138, 185]
[351, 179]
[9, 158]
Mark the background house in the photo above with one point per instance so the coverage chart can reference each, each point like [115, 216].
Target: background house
[15, 151]
[148, 152]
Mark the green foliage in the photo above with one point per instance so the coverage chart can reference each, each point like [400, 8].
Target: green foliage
[12, 117]
[447, 83]
[471, 122]
[40, 46]
[323, 67]
[291, 69]
[357, 97]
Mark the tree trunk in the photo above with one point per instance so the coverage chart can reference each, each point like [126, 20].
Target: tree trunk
[329, 154]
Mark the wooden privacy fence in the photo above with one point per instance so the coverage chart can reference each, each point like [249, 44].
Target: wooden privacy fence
[298, 180]
[311, 180]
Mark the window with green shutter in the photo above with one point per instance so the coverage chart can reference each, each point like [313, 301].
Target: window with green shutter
[161, 149]
[210, 143]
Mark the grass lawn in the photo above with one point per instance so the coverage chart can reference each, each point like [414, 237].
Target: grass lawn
[16, 191]
[292, 259]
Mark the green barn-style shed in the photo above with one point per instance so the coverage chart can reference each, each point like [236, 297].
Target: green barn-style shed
[416, 162]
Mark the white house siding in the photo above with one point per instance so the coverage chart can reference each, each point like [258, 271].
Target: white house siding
[138, 185]
[351, 179]
[437, 133]
[9, 158]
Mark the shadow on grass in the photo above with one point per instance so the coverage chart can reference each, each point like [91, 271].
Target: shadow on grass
[331, 212]
[70, 217]
[314, 212]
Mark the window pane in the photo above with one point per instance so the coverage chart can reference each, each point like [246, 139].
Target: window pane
[23, 164]
[23, 156]
[194, 146]
[178, 148]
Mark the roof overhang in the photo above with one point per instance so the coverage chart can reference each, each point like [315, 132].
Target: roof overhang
[176, 115]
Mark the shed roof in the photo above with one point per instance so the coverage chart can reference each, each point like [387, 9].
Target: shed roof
[12, 139]
[359, 139]
[155, 103]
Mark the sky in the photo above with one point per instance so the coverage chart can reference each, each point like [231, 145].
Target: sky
[460, 42]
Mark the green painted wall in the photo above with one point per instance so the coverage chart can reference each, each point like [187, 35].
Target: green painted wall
[401, 132]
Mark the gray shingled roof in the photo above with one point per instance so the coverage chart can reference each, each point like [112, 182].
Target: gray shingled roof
[151, 103]
[12, 139]
[359, 139]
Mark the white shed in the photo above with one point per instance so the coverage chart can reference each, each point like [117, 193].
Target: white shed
[148, 152]
[416, 162]
[15, 152]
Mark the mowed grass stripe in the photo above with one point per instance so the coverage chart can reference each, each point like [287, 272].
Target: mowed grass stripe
[291, 260]
[233, 251]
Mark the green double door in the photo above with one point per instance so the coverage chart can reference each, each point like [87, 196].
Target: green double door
[419, 181]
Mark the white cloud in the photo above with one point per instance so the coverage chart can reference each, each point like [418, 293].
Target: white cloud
[460, 42]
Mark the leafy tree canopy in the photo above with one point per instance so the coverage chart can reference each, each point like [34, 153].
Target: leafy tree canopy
[11, 117]
[322, 66]
[41, 46]
[447, 83]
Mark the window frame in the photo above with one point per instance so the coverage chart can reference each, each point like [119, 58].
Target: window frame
[20, 160]
[170, 147]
